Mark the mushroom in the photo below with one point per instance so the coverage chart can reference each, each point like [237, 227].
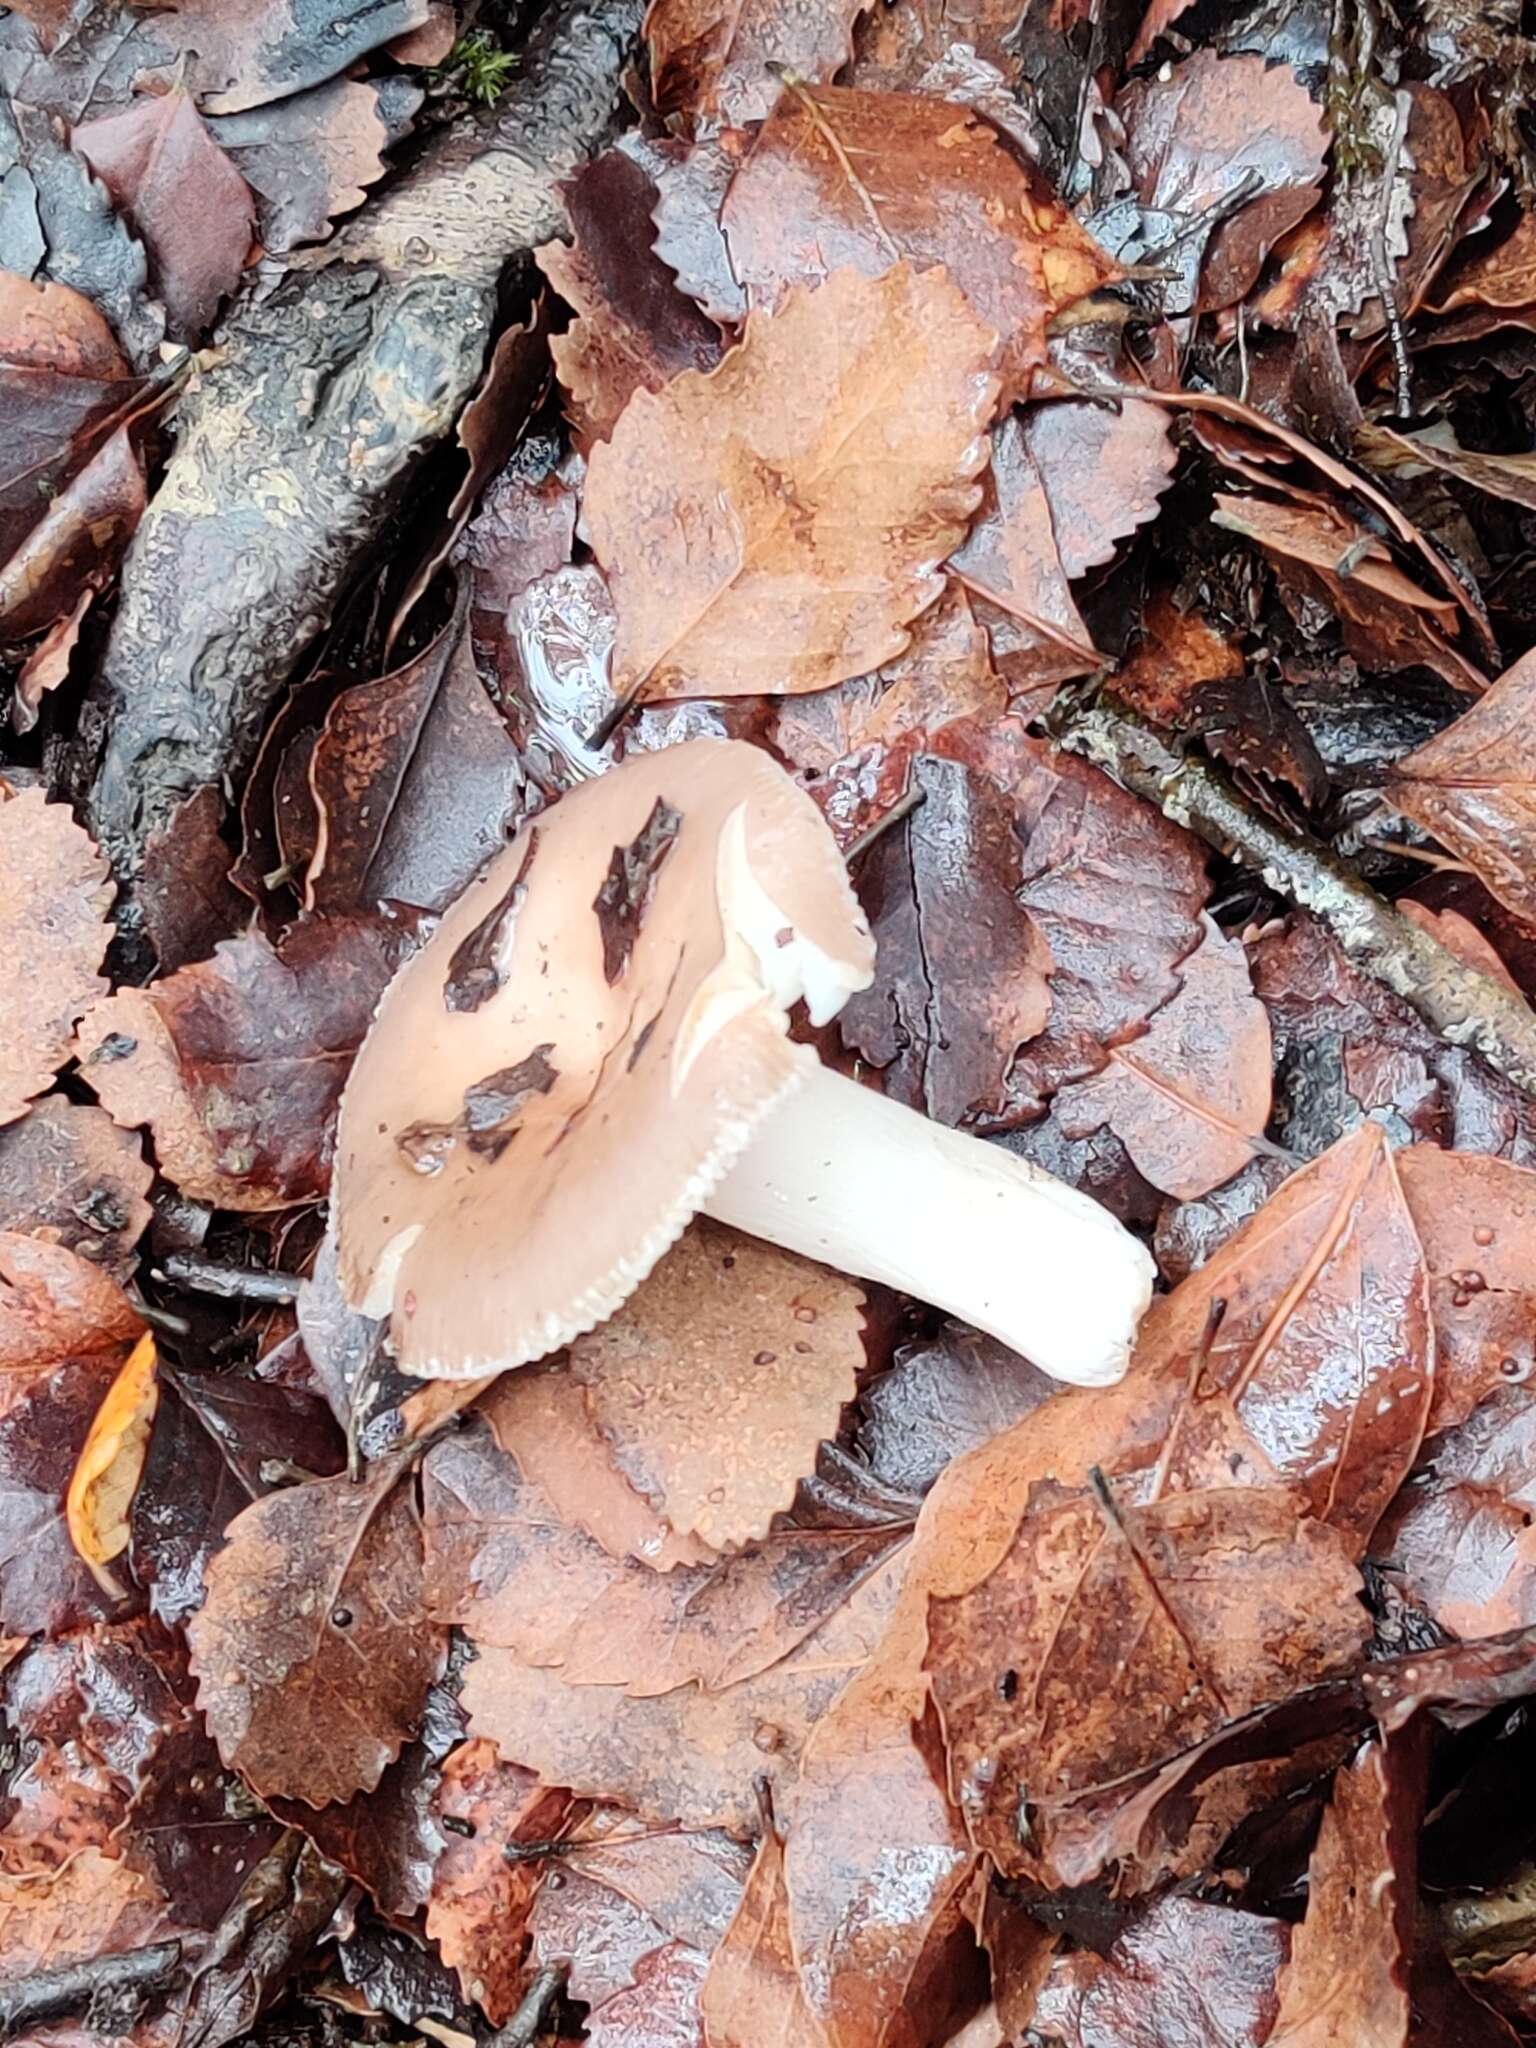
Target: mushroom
[593, 1046]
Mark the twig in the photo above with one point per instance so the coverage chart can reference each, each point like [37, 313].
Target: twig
[914, 800]
[48, 1993]
[229, 1283]
[1462, 1005]
[525, 2025]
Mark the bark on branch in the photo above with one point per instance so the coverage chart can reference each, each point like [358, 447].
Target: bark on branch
[295, 447]
[1465, 1007]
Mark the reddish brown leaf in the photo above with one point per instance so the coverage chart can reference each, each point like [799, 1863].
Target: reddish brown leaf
[1183, 1971]
[185, 895]
[962, 975]
[711, 62]
[260, 1040]
[312, 1650]
[757, 530]
[311, 157]
[1346, 1983]
[478, 1909]
[77, 541]
[415, 782]
[943, 1396]
[64, 377]
[54, 932]
[1197, 133]
[719, 1377]
[65, 1328]
[634, 329]
[1180, 653]
[1011, 564]
[1102, 472]
[1115, 889]
[182, 197]
[523, 528]
[243, 53]
[69, 1175]
[96, 1905]
[1473, 787]
[1501, 276]
[752, 1996]
[1191, 1096]
[949, 192]
[1324, 1349]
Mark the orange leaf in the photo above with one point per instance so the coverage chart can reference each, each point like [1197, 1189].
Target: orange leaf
[109, 1467]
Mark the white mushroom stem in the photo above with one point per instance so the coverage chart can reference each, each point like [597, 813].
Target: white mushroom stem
[842, 1175]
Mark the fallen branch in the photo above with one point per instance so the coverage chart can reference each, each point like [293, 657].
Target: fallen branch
[299, 441]
[48, 1994]
[1465, 1007]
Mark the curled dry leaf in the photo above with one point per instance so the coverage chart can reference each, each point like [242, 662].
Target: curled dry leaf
[54, 932]
[1474, 787]
[719, 1377]
[68, 1174]
[1189, 1098]
[717, 62]
[634, 328]
[756, 525]
[312, 1650]
[838, 178]
[182, 197]
[477, 1911]
[1345, 1984]
[106, 1477]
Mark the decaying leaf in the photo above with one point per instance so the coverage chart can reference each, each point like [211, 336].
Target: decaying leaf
[719, 1377]
[111, 1462]
[840, 178]
[183, 198]
[53, 938]
[312, 1651]
[68, 1174]
[1191, 1097]
[767, 527]
[310, 157]
[714, 62]
[752, 1994]
[1472, 786]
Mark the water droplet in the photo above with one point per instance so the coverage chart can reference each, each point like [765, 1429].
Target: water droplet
[804, 1314]
[341, 1617]
[1515, 1368]
[764, 1357]
[767, 1738]
[1482, 1234]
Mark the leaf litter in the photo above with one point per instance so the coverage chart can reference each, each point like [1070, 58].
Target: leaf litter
[782, 1662]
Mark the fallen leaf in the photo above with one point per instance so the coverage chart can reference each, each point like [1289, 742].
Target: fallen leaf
[751, 1997]
[719, 1377]
[634, 329]
[65, 1328]
[237, 1063]
[1346, 1981]
[477, 1911]
[1472, 787]
[54, 933]
[311, 157]
[184, 894]
[74, 546]
[1202, 131]
[1102, 471]
[1179, 655]
[1184, 1970]
[691, 180]
[1190, 1098]
[97, 1905]
[1455, 1682]
[416, 783]
[523, 528]
[182, 197]
[720, 591]
[962, 973]
[311, 1650]
[722, 63]
[69, 1175]
[949, 193]
[106, 1477]
[243, 53]
[944, 1395]
[1114, 888]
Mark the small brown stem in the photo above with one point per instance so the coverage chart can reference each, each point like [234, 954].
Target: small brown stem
[228, 1283]
[914, 800]
[47, 1994]
[527, 2023]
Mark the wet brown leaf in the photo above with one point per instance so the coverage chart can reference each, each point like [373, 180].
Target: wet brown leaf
[182, 197]
[96, 1905]
[962, 974]
[1010, 564]
[1102, 472]
[54, 931]
[719, 1377]
[1474, 787]
[943, 1396]
[1346, 1982]
[809, 200]
[68, 1174]
[634, 329]
[1200, 131]
[311, 157]
[1189, 1098]
[477, 1912]
[236, 1064]
[244, 53]
[691, 181]
[720, 591]
[712, 62]
[1184, 1974]
[752, 1997]
[73, 549]
[312, 1650]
